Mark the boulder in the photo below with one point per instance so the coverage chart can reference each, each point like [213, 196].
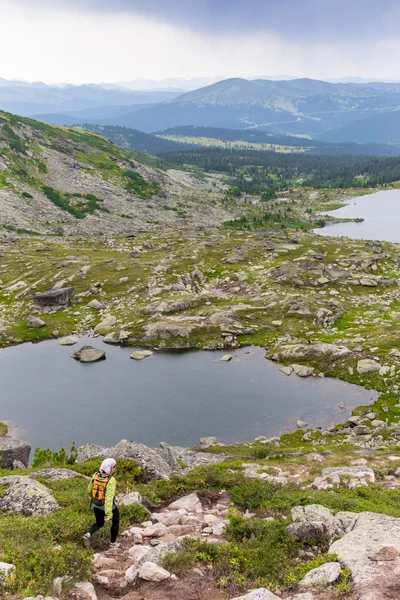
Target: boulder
[95, 304]
[207, 442]
[190, 503]
[88, 354]
[260, 594]
[17, 464]
[129, 499]
[141, 354]
[165, 331]
[157, 554]
[367, 365]
[84, 590]
[70, 340]
[6, 570]
[138, 552]
[23, 495]
[60, 297]
[155, 531]
[302, 370]
[370, 532]
[149, 571]
[395, 353]
[106, 323]
[57, 474]
[148, 458]
[12, 450]
[314, 350]
[356, 472]
[176, 454]
[286, 370]
[313, 513]
[322, 576]
[131, 575]
[35, 323]
[226, 358]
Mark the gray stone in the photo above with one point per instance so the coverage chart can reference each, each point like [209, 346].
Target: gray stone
[88, 354]
[12, 450]
[17, 464]
[70, 340]
[84, 590]
[370, 532]
[301, 424]
[6, 570]
[166, 331]
[314, 350]
[322, 576]
[315, 513]
[129, 499]
[367, 365]
[155, 465]
[226, 358]
[151, 572]
[286, 370]
[57, 474]
[60, 297]
[191, 503]
[302, 370]
[157, 554]
[95, 304]
[141, 354]
[35, 323]
[106, 323]
[207, 442]
[395, 353]
[23, 495]
[306, 596]
[260, 594]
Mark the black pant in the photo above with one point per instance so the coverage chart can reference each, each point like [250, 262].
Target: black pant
[100, 516]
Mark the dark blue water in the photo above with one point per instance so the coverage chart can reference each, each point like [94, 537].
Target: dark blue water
[381, 212]
[172, 397]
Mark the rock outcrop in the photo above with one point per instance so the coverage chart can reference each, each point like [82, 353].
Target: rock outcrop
[12, 450]
[160, 463]
[58, 297]
[88, 354]
[23, 495]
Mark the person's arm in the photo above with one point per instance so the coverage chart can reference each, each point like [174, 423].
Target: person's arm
[110, 493]
[90, 485]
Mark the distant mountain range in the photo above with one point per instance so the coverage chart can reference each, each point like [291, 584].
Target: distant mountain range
[29, 99]
[337, 112]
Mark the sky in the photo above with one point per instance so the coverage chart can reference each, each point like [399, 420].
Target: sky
[81, 41]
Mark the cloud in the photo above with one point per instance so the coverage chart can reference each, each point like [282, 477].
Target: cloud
[290, 19]
[55, 40]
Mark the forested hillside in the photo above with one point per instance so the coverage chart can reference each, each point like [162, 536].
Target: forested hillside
[254, 172]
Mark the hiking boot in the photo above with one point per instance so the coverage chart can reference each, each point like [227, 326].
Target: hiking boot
[112, 545]
[86, 540]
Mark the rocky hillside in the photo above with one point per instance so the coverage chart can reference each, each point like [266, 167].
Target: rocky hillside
[62, 181]
[309, 524]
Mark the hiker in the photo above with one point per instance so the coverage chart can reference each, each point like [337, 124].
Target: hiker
[308, 340]
[102, 489]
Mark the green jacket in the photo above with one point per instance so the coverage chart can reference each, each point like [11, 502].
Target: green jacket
[110, 495]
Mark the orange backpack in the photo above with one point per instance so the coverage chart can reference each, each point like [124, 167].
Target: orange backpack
[99, 486]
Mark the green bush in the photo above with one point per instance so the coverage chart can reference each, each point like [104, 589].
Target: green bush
[47, 458]
[180, 562]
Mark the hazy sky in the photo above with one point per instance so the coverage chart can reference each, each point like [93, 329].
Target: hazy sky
[113, 40]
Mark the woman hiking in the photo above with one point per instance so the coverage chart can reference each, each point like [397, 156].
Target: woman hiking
[102, 489]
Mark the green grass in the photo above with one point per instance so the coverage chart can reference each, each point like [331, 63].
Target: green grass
[3, 429]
